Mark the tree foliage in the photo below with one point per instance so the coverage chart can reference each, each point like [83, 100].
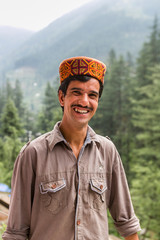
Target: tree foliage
[11, 133]
[9, 150]
[10, 121]
[50, 112]
[145, 119]
[145, 194]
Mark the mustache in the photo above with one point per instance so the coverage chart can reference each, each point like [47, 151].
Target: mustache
[85, 107]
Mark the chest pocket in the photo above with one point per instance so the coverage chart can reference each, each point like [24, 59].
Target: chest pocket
[53, 195]
[97, 193]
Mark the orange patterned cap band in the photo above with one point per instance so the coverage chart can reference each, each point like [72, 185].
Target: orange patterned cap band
[82, 66]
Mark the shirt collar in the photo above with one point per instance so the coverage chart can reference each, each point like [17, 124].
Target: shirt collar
[56, 136]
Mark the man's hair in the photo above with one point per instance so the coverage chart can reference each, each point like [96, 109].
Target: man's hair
[64, 85]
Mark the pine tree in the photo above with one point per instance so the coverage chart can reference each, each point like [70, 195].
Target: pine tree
[146, 118]
[10, 122]
[145, 195]
[9, 91]
[153, 43]
[111, 57]
[2, 100]
[50, 112]
[18, 99]
[149, 55]
[146, 165]
[145, 152]
[10, 142]
[9, 149]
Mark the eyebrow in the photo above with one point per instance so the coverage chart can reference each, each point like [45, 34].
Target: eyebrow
[76, 89]
[79, 89]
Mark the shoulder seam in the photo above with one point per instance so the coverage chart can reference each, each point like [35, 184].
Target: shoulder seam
[108, 138]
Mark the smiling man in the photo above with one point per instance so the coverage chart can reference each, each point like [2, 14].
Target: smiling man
[64, 181]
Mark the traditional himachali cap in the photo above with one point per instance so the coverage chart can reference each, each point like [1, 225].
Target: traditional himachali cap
[82, 66]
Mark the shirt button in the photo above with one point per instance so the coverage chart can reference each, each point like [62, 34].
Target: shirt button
[54, 185]
[101, 187]
[78, 222]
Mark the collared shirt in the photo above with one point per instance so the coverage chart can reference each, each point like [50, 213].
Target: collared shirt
[58, 197]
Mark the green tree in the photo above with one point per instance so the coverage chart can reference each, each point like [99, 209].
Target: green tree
[50, 112]
[18, 99]
[145, 151]
[9, 150]
[9, 90]
[10, 142]
[146, 118]
[111, 57]
[149, 55]
[154, 43]
[145, 195]
[146, 167]
[10, 122]
[2, 100]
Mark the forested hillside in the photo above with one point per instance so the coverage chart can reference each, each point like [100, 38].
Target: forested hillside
[128, 113]
[11, 39]
[92, 30]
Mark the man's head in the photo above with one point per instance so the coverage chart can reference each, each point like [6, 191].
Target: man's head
[81, 69]
[81, 86]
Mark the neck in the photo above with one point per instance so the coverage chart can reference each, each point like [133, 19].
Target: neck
[73, 135]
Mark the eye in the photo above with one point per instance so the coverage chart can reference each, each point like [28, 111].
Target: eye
[93, 96]
[76, 92]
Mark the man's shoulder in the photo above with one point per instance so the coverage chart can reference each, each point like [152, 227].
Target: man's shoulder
[37, 143]
[102, 138]
[104, 141]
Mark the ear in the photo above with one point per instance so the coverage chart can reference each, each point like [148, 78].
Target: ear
[61, 97]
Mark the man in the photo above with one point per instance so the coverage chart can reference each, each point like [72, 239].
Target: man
[64, 181]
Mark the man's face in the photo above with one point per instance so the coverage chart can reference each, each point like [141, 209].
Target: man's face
[80, 102]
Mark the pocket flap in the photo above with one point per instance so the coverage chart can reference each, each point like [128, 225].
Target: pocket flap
[98, 186]
[52, 186]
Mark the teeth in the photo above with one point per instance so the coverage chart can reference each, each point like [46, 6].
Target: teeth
[81, 111]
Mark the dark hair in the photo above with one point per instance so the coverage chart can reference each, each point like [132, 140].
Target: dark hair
[64, 85]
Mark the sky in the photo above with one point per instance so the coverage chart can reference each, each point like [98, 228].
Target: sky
[35, 14]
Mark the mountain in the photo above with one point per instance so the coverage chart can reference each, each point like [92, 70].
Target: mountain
[92, 30]
[11, 39]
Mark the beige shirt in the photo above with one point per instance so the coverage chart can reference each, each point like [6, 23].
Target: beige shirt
[58, 197]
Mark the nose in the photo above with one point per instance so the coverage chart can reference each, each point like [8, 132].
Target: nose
[84, 100]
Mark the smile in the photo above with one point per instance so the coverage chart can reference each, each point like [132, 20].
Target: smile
[81, 111]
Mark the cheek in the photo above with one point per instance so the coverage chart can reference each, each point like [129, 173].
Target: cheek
[73, 100]
[69, 101]
[95, 105]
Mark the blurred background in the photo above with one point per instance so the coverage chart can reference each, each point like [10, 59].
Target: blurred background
[35, 36]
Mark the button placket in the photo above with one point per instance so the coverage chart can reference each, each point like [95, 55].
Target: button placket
[78, 222]
[78, 219]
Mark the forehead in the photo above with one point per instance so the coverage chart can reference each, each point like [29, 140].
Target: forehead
[91, 85]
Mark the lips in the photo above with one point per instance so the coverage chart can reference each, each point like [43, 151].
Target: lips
[80, 111]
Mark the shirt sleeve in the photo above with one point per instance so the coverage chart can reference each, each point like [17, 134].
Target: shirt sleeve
[22, 186]
[120, 206]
